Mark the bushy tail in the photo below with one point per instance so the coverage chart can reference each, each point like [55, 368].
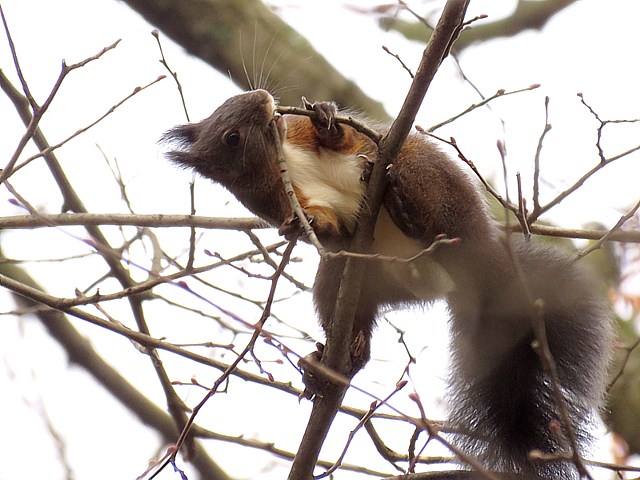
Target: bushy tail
[501, 397]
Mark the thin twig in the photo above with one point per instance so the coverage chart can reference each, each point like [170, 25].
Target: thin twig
[173, 73]
[397, 57]
[452, 142]
[35, 117]
[16, 63]
[291, 194]
[136, 220]
[364, 420]
[256, 334]
[598, 244]
[604, 161]
[249, 224]
[434, 433]
[499, 94]
[536, 160]
[628, 351]
[82, 130]
[192, 233]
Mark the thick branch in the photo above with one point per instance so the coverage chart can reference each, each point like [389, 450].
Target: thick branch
[339, 339]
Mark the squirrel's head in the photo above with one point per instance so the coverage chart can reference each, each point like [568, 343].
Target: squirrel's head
[233, 144]
[236, 148]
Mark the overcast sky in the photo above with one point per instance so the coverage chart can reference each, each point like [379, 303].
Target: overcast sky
[590, 48]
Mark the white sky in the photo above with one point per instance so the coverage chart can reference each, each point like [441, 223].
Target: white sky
[589, 48]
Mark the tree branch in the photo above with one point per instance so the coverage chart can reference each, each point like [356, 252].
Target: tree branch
[339, 339]
[528, 15]
[136, 220]
[225, 33]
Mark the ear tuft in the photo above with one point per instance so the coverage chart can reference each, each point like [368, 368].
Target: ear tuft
[182, 136]
[182, 139]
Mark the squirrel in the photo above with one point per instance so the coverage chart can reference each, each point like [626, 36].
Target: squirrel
[500, 394]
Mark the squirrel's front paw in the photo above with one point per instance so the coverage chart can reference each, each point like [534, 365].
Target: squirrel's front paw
[318, 383]
[326, 113]
[291, 228]
[323, 220]
[313, 385]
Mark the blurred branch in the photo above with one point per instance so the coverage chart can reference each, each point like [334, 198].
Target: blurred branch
[247, 41]
[81, 353]
[528, 15]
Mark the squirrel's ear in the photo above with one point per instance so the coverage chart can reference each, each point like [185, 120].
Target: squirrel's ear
[182, 159]
[181, 136]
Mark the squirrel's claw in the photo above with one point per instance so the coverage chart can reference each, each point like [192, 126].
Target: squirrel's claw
[367, 168]
[326, 113]
[291, 228]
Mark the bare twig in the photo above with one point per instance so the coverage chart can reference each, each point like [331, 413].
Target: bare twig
[291, 194]
[598, 244]
[137, 220]
[173, 73]
[23, 103]
[536, 161]
[80, 131]
[248, 224]
[498, 94]
[397, 57]
[184, 435]
[628, 351]
[270, 448]
[192, 234]
[604, 161]
[363, 421]
[434, 433]
[452, 141]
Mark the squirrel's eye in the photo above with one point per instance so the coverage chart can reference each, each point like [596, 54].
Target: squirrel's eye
[232, 139]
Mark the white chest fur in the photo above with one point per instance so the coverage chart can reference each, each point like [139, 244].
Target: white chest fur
[329, 180]
[332, 180]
